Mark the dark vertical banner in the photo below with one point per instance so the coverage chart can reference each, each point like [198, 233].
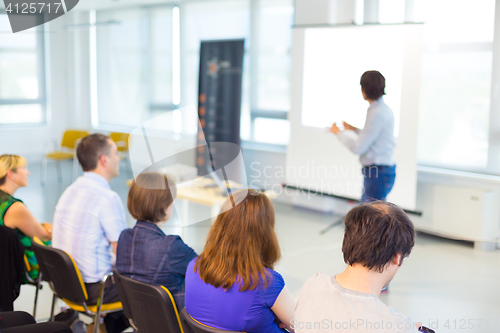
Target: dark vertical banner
[219, 101]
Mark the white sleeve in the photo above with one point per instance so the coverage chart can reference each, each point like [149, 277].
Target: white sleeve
[361, 143]
[112, 218]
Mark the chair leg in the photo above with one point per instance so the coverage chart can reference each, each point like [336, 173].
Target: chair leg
[38, 286]
[59, 171]
[53, 307]
[97, 322]
[133, 325]
[43, 174]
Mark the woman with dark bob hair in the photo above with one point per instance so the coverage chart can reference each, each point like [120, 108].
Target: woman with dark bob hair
[145, 253]
[232, 284]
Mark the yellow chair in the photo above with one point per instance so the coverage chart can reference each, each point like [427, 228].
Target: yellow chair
[121, 140]
[67, 152]
[67, 283]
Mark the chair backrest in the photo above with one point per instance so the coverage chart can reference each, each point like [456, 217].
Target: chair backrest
[41, 264]
[121, 292]
[71, 136]
[192, 326]
[62, 272]
[11, 267]
[121, 140]
[152, 308]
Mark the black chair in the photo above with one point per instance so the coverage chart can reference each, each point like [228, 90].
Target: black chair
[150, 308]
[67, 283]
[15, 262]
[37, 283]
[22, 322]
[11, 268]
[123, 298]
[44, 273]
[193, 326]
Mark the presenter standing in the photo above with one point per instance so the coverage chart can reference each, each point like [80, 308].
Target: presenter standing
[375, 142]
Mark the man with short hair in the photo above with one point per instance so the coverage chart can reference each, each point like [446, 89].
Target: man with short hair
[375, 142]
[89, 217]
[378, 237]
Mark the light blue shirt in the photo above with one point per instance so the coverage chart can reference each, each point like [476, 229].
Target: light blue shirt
[88, 217]
[375, 142]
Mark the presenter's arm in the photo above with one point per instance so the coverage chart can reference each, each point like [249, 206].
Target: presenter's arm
[366, 137]
[349, 127]
[334, 129]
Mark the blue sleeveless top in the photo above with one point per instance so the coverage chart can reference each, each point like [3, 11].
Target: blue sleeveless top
[234, 310]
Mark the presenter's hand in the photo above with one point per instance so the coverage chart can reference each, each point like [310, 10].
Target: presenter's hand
[334, 129]
[349, 127]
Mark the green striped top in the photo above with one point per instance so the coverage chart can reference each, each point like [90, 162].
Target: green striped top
[6, 200]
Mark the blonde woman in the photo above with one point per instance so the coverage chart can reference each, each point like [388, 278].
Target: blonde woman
[13, 213]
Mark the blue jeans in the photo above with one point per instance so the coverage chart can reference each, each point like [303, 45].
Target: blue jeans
[379, 180]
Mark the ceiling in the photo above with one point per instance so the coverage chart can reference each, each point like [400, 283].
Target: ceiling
[104, 4]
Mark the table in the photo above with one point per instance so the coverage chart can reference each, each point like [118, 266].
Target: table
[203, 191]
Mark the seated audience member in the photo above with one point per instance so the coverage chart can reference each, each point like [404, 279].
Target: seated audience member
[89, 218]
[378, 237]
[145, 253]
[14, 214]
[232, 284]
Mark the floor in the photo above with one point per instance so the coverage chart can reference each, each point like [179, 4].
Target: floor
[446, 285]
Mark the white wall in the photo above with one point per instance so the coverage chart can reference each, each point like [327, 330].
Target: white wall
[67, 92]
[29, 140]
[68, 89]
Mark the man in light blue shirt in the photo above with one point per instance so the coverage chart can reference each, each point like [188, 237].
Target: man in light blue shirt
[89, 217]
[375, 142]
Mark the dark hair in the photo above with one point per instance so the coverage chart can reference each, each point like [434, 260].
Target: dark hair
[149, 196]
[91, 148]
[373, 84]
[241, 243]
[375, 233]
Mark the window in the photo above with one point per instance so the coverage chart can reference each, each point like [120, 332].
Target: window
[456, 75]
[391, 11]
[455, 83]
[209, 20]
[134, 65]
[266, 26]
[136, 62]
[272, 41]
[22, 75]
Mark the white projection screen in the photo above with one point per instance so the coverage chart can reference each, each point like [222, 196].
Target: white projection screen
[327, 64]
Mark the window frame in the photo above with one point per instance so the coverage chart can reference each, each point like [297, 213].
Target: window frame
[41, 78]
[153, 107]
[255, 112]
[493, 154]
